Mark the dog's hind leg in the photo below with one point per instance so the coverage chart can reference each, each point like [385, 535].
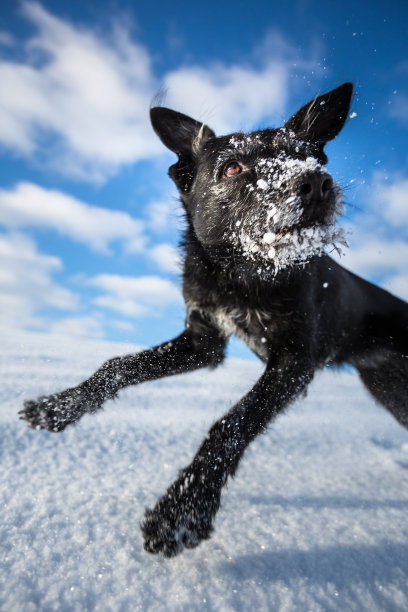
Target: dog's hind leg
[388, 383]
[200, 345]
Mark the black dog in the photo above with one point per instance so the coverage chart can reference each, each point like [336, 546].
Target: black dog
[260, 211]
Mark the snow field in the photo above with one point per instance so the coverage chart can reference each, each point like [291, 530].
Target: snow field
[316, 518]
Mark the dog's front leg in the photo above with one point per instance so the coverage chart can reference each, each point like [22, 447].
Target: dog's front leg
[198, 346]
[184, 515]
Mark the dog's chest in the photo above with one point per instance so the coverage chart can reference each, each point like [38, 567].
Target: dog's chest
[252, 325]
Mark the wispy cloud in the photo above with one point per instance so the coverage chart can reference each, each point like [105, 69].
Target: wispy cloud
[29, 205]
[91, 326]
[163, 215]
[88, 97]
[241, 95]
[167, 257]
[135, 296]
[392, 200]
[28, 288]
[378, 242]
[26, 283]
[228, 97]
[374, 254]
[91, 95]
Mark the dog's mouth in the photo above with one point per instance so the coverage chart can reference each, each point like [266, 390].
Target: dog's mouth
[291, 227]
[296, 246]
[299, 246]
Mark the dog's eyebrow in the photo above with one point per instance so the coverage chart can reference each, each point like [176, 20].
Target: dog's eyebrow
[240, 145]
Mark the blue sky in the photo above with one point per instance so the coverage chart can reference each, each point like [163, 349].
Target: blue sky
[89, 221]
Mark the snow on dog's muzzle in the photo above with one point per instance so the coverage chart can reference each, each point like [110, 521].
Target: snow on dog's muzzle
[296, 206]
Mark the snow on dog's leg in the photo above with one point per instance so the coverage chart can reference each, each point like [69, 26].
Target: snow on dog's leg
[55, 412]
[184, 515]
[199, 346]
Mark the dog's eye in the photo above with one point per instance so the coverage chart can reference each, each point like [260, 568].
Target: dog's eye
[232, 169]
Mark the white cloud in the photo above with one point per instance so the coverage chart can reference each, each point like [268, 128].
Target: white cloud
[83, 327]
[28, 205]
[135, 296]
[88, 96]
[27, 287]
[26, 283]
[398, 285]
[91, 93]
[241, 95]
[392, 200]
[378, 241]
[373, 255]
[383, 261]
[228, 98]
[162, 216]
[167, 257]
[123, 326]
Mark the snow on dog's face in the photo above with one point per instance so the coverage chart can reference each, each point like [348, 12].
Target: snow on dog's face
[265, 195]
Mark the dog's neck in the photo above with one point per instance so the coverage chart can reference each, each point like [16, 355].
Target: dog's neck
[232, 266]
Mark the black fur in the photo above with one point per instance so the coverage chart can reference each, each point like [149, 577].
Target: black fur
[260, 210]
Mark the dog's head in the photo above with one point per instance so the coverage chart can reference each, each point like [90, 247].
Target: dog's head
[267, 194]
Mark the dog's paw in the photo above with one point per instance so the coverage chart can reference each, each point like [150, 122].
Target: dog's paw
[179, 521]
[55, 412]
[168, 538]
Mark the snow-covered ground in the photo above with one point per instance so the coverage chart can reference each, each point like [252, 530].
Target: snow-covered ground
[316, 518]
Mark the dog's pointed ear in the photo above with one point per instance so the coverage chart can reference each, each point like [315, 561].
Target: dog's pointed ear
[321, 119]
[179, 132]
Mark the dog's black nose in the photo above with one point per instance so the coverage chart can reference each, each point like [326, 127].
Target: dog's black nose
[315, 186]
